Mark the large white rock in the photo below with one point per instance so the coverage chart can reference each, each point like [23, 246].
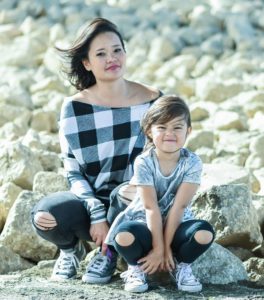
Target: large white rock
[161, 49]
[255, 269]
[226, 120]
[11, 131]
[241, 31]
[11, 112]
[18, 233]
[44, 121]
[15, 95]
[50, 161]
[18, 165]
[259, 174]
[200, 138]
[219, 266]
[229, 209]
[49, 182]
[212, 89]
[8, 194]
[223, 174]
[12, 262]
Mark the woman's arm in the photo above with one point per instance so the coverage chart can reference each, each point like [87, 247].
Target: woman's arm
[154, 259]
[184, 195]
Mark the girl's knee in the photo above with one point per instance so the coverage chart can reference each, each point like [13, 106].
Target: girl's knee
[44, 220]
[124, 239]
[204, 237]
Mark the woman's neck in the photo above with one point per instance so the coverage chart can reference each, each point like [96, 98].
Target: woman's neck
[114, 94]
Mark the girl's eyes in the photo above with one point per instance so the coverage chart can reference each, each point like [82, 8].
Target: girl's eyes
[117, 50]
[100, 54]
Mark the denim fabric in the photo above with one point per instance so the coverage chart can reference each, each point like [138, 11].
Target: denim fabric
[184, 246]
[73, 220]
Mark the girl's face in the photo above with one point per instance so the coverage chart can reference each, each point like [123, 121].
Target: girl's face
[171, 136]
[106, 57]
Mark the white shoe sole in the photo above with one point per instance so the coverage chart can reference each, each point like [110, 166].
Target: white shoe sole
[137, 289]
[59, 278]
[96, 280]
[190, 289]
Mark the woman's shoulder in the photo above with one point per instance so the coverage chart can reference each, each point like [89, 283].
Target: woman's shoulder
[142, 93]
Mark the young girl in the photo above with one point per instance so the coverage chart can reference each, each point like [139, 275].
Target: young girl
[157, 230]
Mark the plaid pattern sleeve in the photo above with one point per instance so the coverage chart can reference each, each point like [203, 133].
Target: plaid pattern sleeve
[99, 145]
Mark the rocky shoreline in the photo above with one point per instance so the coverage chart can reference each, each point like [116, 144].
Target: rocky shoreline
[210, 53]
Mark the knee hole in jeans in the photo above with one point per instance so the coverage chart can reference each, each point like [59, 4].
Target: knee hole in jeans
[124, 239]
[44, 220]
[203, 237]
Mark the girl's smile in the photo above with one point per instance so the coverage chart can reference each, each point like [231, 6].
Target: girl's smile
[169, 137]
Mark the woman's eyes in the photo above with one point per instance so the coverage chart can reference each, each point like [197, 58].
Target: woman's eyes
[100, 54]
[117, 50]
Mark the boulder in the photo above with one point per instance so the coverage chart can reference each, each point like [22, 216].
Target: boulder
[18, 233]
[229, 209]
[8, 194]
[255, 269]
[223, 174]
[12, 262]
[200, 138]
[49, 182]
[219, 266]
[18, 165]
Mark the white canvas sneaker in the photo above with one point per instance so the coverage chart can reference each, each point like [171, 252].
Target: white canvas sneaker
[135, 280]
[185, 279]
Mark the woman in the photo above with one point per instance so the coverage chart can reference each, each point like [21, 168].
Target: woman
[100, 137]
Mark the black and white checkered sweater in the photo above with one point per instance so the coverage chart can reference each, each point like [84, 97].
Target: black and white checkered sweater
[99, 145]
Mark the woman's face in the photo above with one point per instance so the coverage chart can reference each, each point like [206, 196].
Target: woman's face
[106, 57]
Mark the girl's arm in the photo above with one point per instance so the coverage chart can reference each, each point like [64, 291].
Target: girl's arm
[184, 195]
[154, 259]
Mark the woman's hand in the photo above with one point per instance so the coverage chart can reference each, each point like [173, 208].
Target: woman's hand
[98, 232]
[152, 262]
[169, 263]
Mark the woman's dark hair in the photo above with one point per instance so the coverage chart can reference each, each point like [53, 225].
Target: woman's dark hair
[164, 110]
[78, 76]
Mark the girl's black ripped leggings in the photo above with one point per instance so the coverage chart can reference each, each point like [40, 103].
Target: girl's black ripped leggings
[184, 246]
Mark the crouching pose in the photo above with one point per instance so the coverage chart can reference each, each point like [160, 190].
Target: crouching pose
[158, 230]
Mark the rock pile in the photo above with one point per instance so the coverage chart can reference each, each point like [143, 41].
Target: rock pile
[209, 52]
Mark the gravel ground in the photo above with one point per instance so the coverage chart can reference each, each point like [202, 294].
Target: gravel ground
[34, 284]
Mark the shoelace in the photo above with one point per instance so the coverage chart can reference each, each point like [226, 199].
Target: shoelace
[68, 259]
[133, 272]
[186, 274]
[98, 263]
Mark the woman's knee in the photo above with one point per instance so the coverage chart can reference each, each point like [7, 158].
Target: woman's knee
[44, 220]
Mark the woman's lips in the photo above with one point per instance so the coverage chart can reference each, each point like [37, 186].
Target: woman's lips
[113, 68]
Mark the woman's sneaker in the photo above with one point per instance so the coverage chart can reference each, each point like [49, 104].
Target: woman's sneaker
[185, 279]
[68, 262]
[135, 280]
[101, 268]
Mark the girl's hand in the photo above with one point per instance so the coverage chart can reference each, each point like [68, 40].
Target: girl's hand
[169, 263]
[151, 263]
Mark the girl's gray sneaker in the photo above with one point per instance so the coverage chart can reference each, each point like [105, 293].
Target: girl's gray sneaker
[185, 279]
[101, 268]
[68, 262]
[135, 280]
